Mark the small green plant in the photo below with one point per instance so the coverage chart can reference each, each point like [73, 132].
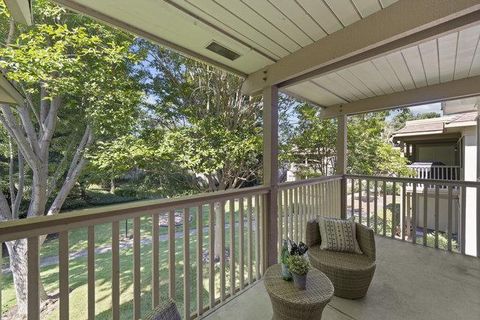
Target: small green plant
[298, 264]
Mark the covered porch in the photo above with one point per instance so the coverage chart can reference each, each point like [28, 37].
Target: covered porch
[370, 56]
[411, 282]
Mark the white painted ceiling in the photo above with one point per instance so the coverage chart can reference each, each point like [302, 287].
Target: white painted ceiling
[451, 57]
[264, 31]
[261, 31]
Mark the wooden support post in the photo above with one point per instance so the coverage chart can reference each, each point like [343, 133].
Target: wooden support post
[33, 279]
[270, 170]
[341, 168]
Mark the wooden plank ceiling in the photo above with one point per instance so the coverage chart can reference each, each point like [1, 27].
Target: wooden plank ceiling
[451, 57]
[261, 32]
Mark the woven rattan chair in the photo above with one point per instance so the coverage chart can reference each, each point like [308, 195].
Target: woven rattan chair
[350, 273]
[166, 310]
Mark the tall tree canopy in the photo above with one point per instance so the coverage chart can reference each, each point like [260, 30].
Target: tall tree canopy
[406, 114]
[312, 144]
[369, 152]
[204, 123]
[76, 77]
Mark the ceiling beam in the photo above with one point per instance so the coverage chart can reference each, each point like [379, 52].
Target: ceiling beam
[112, 21]
[21, 10]
[8, 93]
[452, 90]
[404, 23]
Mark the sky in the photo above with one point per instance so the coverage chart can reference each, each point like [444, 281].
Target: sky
[432, 107]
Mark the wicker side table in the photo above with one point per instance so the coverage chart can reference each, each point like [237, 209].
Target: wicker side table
[290, 303]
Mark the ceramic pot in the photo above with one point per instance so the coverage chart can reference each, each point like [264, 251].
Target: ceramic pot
[299, 281]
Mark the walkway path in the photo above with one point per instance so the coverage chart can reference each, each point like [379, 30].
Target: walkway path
[52, 260]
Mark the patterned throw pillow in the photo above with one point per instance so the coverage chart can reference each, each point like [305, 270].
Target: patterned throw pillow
[338, 235]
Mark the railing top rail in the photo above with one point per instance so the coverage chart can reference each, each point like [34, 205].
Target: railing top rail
[307, 182]
[36, 226]
[453, 183]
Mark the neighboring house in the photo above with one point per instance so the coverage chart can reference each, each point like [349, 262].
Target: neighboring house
[442, 148]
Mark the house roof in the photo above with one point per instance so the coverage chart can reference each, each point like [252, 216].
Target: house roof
[345, 56]
[436, 125]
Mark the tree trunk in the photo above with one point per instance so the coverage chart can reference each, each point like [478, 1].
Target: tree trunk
[39, 192]
[17, 251]
[112, 186]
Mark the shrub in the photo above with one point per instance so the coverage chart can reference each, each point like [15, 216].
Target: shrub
[126, 193]
[298, 264]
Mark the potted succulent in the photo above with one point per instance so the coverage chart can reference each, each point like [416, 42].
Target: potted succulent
[286, 274]
[298, 266]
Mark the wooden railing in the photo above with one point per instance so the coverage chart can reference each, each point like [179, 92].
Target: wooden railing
[177, 259]
[300, 201]
[173, 243]
[433, 213]
[451, 173]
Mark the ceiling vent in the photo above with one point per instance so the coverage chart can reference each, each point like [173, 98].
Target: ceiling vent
[221, 50]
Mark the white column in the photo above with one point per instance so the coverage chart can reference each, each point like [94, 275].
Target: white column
[341, 165]
[270, 171]
[478, 180]
[470, 174]
[478, 143]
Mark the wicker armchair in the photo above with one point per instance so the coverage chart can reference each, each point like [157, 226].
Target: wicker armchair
[350, 273]
[166, 310]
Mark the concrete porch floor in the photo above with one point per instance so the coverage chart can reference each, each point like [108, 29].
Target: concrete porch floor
[411, 282]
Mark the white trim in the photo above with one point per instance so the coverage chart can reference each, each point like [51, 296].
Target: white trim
[411, 134]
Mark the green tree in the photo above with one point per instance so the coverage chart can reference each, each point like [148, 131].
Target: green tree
[406, 114]
[205, 123]
[201, 122]
[75, 76]
[313, 143]
[113, 158]
[369, 152]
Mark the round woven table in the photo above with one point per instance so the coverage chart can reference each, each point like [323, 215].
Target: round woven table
[290, 303]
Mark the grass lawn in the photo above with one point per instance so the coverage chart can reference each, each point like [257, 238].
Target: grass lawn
[103, 232]
[103, 264]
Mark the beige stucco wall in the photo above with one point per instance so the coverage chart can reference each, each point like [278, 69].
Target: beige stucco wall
[443, 153]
